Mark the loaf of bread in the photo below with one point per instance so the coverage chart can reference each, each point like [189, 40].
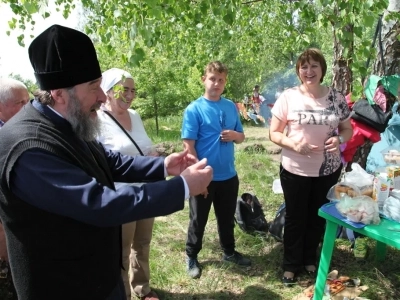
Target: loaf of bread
[367, 191]
[342, 188]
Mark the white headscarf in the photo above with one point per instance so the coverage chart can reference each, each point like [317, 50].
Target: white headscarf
[111, 77]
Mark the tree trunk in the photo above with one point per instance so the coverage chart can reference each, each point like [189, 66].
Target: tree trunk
[156, 113]
[390, 44]
[361, 155]
[391, 56]
[342, 74]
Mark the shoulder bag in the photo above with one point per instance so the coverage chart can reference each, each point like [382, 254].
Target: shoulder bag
[123, 129]
[371, 115]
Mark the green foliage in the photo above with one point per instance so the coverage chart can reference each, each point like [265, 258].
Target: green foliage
[24, 10]
[169, 71]
[167, 44]
[353, 23]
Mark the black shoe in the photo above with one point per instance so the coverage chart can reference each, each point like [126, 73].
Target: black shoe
[288, 282]
[312, 274]
[193, 267]
[237, 258]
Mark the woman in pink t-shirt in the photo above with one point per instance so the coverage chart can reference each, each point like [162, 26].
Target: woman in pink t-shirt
[318, 121]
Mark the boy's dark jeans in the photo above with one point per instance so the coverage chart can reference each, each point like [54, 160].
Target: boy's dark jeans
[223, 195]
[303, 227]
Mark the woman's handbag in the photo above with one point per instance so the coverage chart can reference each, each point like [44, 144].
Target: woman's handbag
[371, 115]
[129, 136]
[123, 129]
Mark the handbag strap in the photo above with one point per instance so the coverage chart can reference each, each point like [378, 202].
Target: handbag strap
[123, 129]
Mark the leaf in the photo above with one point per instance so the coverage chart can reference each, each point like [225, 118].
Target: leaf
[229, 18]
[155, 12]
[358, 31]
[369, 20]
[204, 8]
[124, 59]
[369, 3]
[367, 51]
[110, 22]
[12, 23]
[31, 7]
[139, 52]
[117, 14]
[227, 34]
[20, 39]
[357, 92]
[216, 11]
[151, 3]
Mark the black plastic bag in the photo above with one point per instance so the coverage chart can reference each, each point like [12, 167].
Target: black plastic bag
[371, 115]
[249, 214]
[276, 227]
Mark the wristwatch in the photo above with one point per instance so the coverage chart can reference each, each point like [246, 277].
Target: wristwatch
[341, 141]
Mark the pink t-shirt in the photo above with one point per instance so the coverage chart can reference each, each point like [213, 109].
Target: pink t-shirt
[313, 121]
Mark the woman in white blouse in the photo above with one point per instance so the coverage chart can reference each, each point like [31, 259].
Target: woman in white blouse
[119, 87]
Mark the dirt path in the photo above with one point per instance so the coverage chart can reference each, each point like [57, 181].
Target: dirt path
[257, 140]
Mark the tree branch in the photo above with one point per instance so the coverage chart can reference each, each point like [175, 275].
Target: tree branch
[249, 2]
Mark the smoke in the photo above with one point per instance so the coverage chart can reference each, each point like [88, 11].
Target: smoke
[278, 82]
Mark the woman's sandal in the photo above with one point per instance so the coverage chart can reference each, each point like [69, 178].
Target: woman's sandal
[287, 281]
[312, 273]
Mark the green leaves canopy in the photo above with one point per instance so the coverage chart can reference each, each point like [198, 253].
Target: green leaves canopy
[258, 40]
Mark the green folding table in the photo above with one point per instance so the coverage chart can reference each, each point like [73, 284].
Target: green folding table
[386, 233]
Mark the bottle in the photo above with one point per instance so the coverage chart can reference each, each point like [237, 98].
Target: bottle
[327, 294]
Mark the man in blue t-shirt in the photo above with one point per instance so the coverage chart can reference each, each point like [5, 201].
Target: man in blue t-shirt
[210, 126]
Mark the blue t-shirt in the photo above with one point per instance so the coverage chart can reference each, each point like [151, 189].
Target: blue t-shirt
[203, 121]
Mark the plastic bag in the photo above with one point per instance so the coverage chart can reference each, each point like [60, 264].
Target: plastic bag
[342, 189]
[277, 187]
[391, 155]
[359, 209]
[360, 178]
[391, 208]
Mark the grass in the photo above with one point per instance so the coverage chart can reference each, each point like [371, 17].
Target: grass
[257, 164]
[257, 167]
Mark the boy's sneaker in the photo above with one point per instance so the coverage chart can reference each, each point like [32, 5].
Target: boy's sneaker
[193, 267]
[360, 248]
[237, 258]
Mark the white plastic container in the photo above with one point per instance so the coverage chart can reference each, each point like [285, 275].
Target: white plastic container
[391, 156]
[276, 187]
[381, 189]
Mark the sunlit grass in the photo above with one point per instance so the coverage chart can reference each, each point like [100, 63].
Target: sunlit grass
[169, 129]
[256, 170]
